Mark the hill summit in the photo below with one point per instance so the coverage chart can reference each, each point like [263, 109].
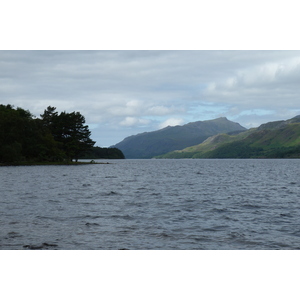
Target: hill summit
[279, 139]
[150, 144]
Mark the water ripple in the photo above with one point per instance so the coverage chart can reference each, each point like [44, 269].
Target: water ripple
[152, 204]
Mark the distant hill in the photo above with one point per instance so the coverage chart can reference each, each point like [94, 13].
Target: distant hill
[150, 144]
[279, 124]
[280, 139]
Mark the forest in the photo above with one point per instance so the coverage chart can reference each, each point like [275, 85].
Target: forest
[54, 137]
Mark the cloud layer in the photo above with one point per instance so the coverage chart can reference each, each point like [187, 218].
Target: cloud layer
[126, 92]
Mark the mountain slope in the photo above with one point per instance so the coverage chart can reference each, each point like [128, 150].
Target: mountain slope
[209, 144]
[150, 144]
[273, 139]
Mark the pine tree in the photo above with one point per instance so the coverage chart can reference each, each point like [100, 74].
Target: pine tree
[69, 131]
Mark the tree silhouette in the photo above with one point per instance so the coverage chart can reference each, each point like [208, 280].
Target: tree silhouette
[69, 131]
[51, 138]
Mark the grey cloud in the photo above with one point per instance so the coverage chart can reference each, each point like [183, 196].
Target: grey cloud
[138, 90]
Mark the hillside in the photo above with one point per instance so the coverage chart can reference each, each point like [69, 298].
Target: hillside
[209, 144]
[150, 144]
[278, 139]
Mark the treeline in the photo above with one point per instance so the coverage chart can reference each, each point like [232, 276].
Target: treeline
[236, 149]
[53, 137]
[103, 153]
[240, 149]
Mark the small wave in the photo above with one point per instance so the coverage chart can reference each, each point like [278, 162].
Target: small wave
[164, 235]
[296, 233]
[92, 224]
[279, 245]
[216, 228]
[40, 246]
[125, 217]
[219, 210]
[252, 206]
[136, 204]
[229, 218]
[12, 235]
[111, 193]
[236, 235]
[53, 201]
[287, 215]
[80, 217]
[197, 238]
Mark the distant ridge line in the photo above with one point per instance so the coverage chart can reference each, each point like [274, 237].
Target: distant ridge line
[150, 144]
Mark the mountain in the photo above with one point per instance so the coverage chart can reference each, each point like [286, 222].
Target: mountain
[278, 139]
[279, 124]
[150, 144]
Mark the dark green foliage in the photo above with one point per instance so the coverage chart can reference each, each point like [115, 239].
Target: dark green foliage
[236, 149]
[103, 153]
[11, 153]
[69, 131]
[18, 131]
[54, 137]
[284, 152]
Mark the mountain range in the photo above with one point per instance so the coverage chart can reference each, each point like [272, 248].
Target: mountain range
[279, 139]
[159, 142]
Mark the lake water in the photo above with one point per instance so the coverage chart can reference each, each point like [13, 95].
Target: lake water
[152, 204]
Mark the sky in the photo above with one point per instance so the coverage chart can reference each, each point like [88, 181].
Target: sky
[138, 66]
[126, 92]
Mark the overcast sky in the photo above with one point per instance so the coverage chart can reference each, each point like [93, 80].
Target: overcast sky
[121, 93]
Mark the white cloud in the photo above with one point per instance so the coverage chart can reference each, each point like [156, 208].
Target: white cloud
[139, 89]
[161, 110]
[131, 121]
[260, 86]
[171, 122]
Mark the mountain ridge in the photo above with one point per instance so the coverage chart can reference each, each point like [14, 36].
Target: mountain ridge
[277, 139]
[150, 144]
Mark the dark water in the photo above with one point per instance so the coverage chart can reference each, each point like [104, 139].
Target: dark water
[152, 204]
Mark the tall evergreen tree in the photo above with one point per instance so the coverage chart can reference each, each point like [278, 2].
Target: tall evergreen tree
[53, 137]
[49, 116]
[69, 131]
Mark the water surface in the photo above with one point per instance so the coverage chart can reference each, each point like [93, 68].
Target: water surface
[152, 204]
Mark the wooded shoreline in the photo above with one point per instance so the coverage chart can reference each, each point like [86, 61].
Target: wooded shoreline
[69, 163]
[51, 139]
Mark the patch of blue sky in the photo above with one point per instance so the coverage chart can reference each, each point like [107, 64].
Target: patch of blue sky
[296, 111]
[93, 126]
[206, 111]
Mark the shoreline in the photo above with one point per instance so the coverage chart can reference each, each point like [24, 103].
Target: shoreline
[92, 162]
